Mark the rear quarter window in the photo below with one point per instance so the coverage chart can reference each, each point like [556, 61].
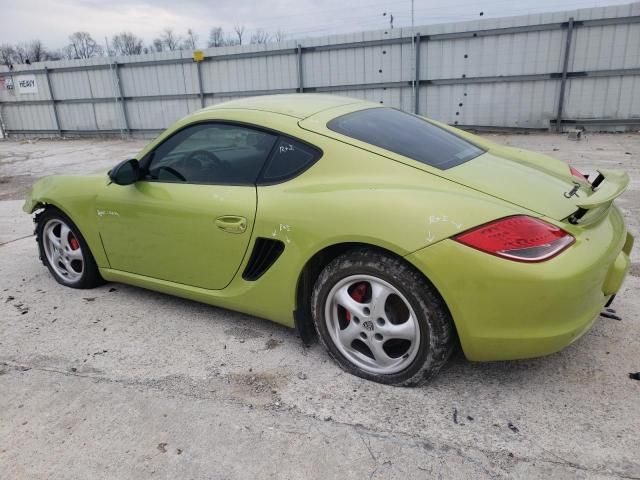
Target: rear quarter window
[406, 135]
[289, 159]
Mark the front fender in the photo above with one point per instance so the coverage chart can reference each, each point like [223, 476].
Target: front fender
[75, 197]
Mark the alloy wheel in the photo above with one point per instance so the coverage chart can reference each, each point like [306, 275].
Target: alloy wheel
[372, 324]
[63, 250]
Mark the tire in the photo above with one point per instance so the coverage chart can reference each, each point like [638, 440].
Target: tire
[380, 319]
[65, 252]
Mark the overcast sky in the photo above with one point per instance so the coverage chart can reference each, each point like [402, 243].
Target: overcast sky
[53, 20]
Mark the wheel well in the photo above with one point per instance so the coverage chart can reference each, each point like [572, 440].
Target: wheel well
[309, 275]
[38, 210]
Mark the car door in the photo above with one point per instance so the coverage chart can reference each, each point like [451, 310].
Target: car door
[189, 219]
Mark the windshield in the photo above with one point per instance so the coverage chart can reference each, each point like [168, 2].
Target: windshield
[407, 135]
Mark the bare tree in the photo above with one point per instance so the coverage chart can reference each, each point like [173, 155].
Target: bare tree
[260, 36]
[231, 40]
[54, 55]
[20, 53]
[279, 36]
[7, 54]
[34, 51]
[239, 29]
[83, 45]
[216, 37]
[126, 43]
[67, 53]
[191, 42]
[156, 45]
[170, 40]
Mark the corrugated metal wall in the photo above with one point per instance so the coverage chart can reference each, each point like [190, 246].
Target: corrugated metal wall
[505, 72]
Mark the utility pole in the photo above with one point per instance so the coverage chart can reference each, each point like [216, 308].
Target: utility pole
[412, 10]
[114, 82]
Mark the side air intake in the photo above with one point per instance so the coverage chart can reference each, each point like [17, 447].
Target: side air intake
[265, 253]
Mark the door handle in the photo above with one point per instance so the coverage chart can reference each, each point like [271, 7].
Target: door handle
[232, 223]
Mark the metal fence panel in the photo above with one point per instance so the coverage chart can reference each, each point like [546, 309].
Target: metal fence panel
[12, 95]
[28, 117]
[607, 98]
[504, 72]
[520, 105]
[77, 116]
[108, 116]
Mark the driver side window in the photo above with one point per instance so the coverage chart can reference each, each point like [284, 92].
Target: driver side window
[211, 153]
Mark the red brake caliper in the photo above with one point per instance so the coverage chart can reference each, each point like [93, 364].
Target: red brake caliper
[73, 242]
[357, 293]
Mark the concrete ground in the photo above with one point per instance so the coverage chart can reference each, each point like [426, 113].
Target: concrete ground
[120, 382]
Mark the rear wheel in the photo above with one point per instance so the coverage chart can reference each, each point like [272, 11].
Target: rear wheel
[380, 319]
[64, 251]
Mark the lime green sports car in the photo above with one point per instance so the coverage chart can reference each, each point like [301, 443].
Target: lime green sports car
[391, 236]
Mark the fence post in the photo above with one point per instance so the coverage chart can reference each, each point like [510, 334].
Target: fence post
[3, 134]
[198, 65]
[53, 102]
[300, 78]
[416, 105]
[563, 81]
[121, 97]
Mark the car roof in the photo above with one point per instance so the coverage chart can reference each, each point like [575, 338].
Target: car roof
[299, 105]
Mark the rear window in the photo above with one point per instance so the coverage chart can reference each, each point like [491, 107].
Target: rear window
[406, 135]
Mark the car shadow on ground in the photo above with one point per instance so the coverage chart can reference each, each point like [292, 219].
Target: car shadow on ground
[458, 370]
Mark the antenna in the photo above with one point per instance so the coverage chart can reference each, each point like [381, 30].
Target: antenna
[114, 81]
[412, 22]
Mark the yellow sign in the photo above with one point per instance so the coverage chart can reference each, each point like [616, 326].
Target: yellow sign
[198, 56]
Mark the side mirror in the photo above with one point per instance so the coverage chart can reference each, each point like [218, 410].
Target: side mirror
[126, 172]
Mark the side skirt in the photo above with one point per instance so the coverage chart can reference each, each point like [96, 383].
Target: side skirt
[231, 298]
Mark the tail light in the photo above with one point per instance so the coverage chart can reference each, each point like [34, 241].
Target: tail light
[519, 238]
[578, 174]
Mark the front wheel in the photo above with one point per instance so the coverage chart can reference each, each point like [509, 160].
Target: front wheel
[380, 319]
[65, 252]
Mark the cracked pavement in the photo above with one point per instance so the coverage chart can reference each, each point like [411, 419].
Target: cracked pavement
[120, 382]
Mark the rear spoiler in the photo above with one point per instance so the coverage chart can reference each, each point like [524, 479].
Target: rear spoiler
[608, 185]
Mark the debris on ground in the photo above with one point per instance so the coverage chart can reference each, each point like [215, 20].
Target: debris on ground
[23, 309]
[513, 428]
[634, 376]
[574, 135]
[612, 316]
[302, 376]
[455, 415]
[272, 343]
[163, 447]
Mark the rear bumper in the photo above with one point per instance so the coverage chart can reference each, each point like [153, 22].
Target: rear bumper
[506, 310]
